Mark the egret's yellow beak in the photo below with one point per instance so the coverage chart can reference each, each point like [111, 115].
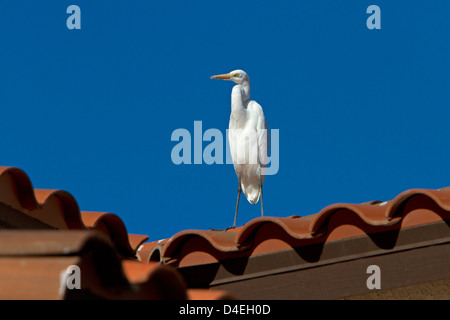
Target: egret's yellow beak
[226, 76]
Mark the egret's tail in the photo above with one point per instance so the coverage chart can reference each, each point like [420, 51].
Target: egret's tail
[252, 193]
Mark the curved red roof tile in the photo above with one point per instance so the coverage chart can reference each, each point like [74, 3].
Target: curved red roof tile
[159, 281]
[219, 240]
[295, 226]
[16, 186]
[150, 251]
[337, 221]
[33, 261]
[155, 280]
[61, 236]
[113, 226]
[202, 294]
[409, 200]
[58, 209]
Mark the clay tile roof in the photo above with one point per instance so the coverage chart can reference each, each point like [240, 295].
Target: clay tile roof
[44, 233]
[200, 294]
[322, 255]
[57, 209]
[334, 222]
[31, 264]
[113, 226]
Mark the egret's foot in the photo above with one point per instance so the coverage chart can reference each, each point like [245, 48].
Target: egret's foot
[224, 230]
[212, 229]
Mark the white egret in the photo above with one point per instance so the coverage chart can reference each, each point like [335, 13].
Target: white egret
[248, 138]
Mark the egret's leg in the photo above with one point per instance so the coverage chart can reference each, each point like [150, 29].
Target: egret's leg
[237, 202]
[261, 188]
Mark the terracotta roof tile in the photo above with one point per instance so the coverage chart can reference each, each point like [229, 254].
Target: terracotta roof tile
[58, 209]
[31, 263]
[113, 226]
[44, 232]
[150, 251]
[51, 233]
[337, 221]
[201, 294]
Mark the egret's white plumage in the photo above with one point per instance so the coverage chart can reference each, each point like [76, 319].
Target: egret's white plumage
[248, 138]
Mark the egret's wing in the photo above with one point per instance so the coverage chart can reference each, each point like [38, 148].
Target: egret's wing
[262, 131]
[232, 136]
[263, 143]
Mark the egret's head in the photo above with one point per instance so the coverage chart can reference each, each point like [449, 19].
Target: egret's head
[237, 76]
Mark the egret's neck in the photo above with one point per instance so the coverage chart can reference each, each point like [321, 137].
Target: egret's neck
[246, 90]
[239, 97]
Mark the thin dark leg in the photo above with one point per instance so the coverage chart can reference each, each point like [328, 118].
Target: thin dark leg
[262, 205]
[237, 202]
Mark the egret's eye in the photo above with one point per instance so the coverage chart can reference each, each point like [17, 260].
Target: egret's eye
[236, 75]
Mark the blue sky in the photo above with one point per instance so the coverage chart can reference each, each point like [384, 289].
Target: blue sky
[362, 114]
